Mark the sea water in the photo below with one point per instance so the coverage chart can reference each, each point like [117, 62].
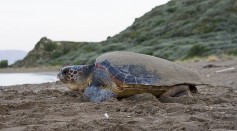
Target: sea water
[7, 79]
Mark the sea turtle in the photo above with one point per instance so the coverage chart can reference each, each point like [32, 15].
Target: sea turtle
[122, 74]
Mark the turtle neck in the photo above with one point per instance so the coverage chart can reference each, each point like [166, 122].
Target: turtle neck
[88, 69]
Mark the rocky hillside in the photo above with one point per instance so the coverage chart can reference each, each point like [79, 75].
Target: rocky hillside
[180, 29]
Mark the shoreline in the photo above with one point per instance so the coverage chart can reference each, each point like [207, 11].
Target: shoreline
[29, 70]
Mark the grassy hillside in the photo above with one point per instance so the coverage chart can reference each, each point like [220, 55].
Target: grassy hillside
[180, 29]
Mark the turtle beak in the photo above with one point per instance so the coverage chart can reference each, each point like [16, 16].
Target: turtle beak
[60, 76]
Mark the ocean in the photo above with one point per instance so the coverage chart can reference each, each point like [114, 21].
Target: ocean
[8, 79]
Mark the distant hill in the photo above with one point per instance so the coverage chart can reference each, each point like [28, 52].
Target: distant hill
[180, 29]
[12, 55]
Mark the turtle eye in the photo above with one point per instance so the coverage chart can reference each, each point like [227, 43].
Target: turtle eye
[65, 71]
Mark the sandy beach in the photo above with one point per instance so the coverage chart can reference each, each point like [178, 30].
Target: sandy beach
[51, 106]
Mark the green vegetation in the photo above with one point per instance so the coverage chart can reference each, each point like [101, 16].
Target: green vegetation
[197, 50]
[3, 64]
[175, 31]
[50, 47]
[232, 52]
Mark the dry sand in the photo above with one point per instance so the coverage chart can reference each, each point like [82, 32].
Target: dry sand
[52, 106]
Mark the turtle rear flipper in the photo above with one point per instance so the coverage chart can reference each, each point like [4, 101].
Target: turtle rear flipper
[174, 95]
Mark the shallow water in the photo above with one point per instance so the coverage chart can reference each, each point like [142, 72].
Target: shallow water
[7, 79]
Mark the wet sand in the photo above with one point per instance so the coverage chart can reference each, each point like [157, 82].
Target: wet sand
[51, 106]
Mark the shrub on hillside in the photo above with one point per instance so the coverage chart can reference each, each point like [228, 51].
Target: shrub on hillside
[89, 47]
[50, 46]
[3, 63]
[197, 50]
[171, 10]
[57, 54]
[113, 47]
[232, 52]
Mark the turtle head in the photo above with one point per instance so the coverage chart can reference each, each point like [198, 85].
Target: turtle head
[75, 77]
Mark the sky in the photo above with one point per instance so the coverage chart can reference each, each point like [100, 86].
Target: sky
[24, 22]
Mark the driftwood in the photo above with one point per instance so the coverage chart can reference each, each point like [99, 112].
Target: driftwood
[223, 70]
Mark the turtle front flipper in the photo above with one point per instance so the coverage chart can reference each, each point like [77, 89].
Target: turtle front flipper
[100, 88]
[96, 94]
